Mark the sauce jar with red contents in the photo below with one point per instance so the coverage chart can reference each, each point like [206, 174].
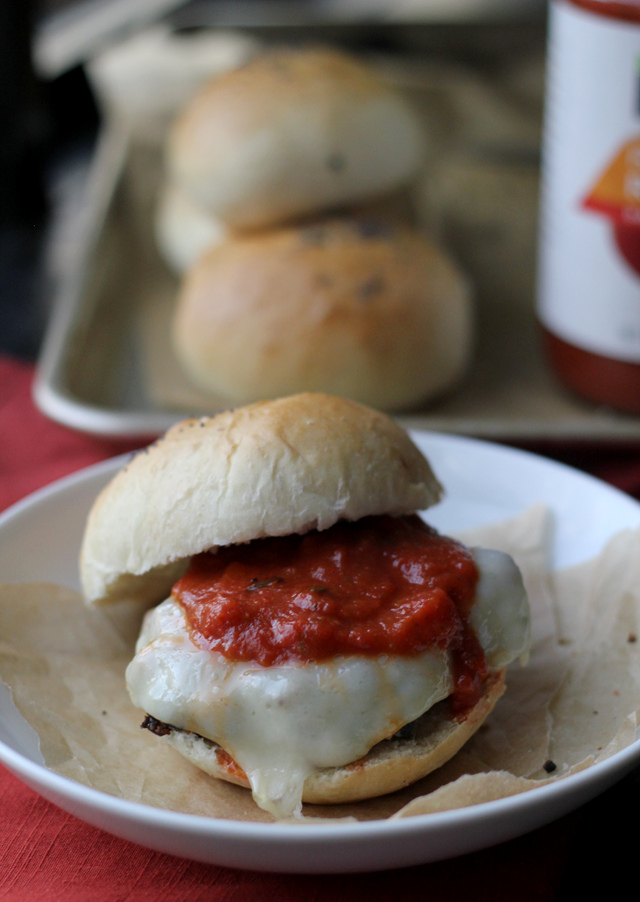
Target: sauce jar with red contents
[589, 261]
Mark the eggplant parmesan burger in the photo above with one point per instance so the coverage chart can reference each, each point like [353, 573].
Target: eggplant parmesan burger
[311, 637]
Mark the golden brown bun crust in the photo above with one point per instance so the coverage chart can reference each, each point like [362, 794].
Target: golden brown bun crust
[291, 133]
[360, 307]
[389, 766]
[274, 468]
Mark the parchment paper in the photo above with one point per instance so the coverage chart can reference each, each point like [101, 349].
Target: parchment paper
[574, 703]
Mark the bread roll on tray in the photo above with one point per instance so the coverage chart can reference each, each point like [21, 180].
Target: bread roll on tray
[366, 308]
[292, 133]
[184, 229]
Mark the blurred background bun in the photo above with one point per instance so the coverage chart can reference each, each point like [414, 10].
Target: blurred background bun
[364, 308]
[288, 212]
[293, 133]
[184, 229]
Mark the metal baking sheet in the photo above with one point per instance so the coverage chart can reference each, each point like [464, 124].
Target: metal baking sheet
[106, 365]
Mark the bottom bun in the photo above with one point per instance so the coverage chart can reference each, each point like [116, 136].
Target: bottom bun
[390, 765]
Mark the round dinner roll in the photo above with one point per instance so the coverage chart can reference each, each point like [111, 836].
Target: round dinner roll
[390, 765]
[184, 229]
[363, 308]
[270, 469]
[291, 133]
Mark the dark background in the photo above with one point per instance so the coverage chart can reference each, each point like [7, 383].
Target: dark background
[43, 124]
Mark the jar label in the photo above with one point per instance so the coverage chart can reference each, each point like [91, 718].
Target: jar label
[589, 271]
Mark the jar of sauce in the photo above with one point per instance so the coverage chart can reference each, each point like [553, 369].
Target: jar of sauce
[589, 261]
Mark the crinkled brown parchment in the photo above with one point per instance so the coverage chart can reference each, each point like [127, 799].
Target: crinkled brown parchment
[574, 703]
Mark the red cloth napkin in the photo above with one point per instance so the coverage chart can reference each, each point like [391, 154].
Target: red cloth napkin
[34, 451]
[46, 854]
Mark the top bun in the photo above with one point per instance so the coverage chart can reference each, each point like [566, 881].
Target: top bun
[291, 133]
[273, 468]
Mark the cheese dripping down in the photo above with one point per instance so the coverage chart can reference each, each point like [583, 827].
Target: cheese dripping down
[281, 724]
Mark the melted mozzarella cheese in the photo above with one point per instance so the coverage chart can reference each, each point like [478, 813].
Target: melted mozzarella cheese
[500, 615]
[281, 724]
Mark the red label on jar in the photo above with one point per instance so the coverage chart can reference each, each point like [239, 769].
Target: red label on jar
[589, 280]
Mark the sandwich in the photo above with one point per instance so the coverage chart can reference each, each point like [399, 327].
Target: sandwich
[309, 635]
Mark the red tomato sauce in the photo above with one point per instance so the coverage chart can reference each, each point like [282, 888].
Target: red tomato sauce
[613, 9]
[382, 585]
[224, 760]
